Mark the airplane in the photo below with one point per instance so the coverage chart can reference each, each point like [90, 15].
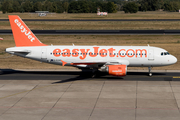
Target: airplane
[102, 13]
[112, 59]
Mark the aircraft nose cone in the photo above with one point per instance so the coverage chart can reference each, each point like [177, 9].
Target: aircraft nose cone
[173, 59]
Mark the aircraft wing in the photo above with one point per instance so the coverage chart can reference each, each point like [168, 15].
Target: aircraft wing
[95, 64]
[87, 63]
[98, 64]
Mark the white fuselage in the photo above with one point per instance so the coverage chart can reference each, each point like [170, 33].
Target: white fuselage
[132, 56]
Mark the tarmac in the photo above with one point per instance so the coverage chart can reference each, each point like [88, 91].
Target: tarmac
[72, 95]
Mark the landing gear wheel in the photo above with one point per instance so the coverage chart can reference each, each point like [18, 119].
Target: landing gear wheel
[93, 76]
[150, 74]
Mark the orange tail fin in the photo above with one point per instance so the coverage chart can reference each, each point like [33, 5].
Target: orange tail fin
[23, 36]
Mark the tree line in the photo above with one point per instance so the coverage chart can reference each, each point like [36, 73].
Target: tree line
[9, 6]
[71, 6]
[88, 6]
[151, 5]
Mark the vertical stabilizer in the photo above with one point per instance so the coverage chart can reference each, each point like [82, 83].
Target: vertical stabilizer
[23, 36]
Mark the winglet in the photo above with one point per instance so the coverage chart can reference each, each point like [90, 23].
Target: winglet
[63, 63]
[23, 36]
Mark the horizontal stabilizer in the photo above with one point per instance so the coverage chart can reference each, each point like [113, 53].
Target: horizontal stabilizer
[17, 51]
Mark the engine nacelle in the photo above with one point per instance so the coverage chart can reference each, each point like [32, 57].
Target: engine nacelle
[116, 70]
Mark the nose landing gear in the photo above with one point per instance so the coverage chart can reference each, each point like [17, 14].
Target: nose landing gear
[150, 74]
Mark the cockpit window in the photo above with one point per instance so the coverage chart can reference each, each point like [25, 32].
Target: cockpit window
[164, 53]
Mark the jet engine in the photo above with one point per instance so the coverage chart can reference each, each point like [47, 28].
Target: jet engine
[116, 70]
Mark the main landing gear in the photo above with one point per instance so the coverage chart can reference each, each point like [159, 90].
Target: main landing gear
[94, 73]
[150, 74]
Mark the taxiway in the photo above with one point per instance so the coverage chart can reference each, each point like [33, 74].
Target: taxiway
[72, 95]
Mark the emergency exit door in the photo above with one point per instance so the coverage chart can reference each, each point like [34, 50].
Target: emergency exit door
[151, 54]
[43, 54]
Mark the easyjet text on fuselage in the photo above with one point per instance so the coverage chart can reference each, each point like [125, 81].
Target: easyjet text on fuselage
[111, 52]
